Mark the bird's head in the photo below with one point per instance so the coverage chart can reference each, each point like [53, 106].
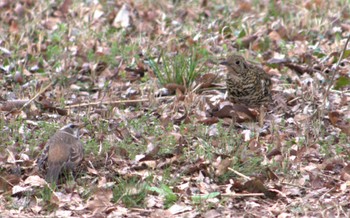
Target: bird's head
[235, 64]
[72, 128]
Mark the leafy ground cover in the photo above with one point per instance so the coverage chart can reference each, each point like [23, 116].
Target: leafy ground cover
[160, 137]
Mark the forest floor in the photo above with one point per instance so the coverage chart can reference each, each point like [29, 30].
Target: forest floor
[160, 137]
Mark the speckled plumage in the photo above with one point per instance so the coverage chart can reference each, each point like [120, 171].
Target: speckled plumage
[247, 83]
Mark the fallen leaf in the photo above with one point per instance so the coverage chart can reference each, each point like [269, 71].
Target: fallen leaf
[35, 181]
[123, 17]
[179, 208]
[223, 166]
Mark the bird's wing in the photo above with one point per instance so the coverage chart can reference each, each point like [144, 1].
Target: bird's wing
[43, 157]
[76, 154]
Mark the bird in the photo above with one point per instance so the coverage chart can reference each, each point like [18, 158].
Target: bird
[63, 151]
[247, 84]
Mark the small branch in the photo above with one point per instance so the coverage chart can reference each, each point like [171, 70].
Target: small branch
[234, 195]
[32, 99]
[114, 102]
[293, 185]
[335, 71]
[240, 174]
[35, 96]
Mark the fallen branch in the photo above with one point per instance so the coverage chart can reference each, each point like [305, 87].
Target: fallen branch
[234, 195]
[114, 102]
[32, 99]
[334, 71]
[240, 174]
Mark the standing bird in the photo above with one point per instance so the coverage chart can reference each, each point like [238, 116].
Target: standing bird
[247, 84]
[63, 151]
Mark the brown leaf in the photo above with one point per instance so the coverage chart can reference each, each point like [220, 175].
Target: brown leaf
[101, 200]
[245, 6]
[65, 6]
[151, 154]
[181, 116]
[193, 168]
[223, 166]
[274, 152]
[333, 164]
[13, 27]
[257, 186]
[300, 69]
[206, 80]
[345, 173]
[18, 77]
[213, 213]
[334, 117]
[337, 120]
[270, 174]
[172, 87]
[8, 181]
[12, 105]
[139, 71]
[45, 104]
[275, 36]
[92, 171]
[209, 121]
[247, 40]
[316, 181]
[35, 181]
[158, 213]
[345, 27]
[239, 112]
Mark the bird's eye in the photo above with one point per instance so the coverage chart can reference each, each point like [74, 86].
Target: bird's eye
[73, 126]
[237, 62]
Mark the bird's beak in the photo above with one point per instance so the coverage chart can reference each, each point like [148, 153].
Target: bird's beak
[80, 125]
[224, 63]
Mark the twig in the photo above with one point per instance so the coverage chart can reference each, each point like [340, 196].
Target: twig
[35, 96]
[113, 102]
[240, 174]
[32, 99]
[7, 181]
[293, 185]
[243, 195]
[335, 71]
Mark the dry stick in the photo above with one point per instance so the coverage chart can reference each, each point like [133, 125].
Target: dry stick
[335, 70]
[240, 174]
[32, 99]
[294, 185]
[114, 102]
[243, 195]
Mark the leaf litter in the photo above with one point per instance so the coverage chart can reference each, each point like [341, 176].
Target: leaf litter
[185, 151]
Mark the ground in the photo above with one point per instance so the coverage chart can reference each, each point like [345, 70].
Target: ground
[160, 137]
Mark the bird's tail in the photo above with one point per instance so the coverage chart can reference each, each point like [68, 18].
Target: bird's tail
[53, 173]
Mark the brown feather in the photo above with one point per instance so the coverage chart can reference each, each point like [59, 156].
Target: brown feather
[64, 150]
[247, 84]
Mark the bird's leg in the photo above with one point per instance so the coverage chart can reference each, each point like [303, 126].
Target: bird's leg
[262, 114]
[233, 117]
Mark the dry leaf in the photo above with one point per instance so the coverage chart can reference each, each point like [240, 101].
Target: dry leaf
[123, 17]
[223, 166]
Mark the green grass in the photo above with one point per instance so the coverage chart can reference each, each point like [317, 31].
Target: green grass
[169, 196]
[131, 192]
[174, 57]
[182, 68]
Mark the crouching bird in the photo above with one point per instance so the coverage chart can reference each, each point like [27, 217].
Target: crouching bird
[63, 151]
[248, 84]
